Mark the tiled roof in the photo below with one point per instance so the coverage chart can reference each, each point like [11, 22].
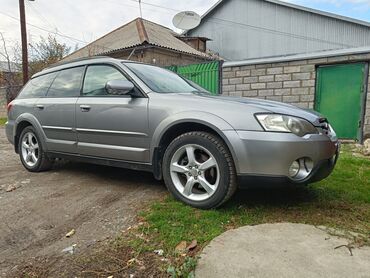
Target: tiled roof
[135, 33]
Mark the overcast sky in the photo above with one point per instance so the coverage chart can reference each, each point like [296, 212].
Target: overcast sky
[86, 20]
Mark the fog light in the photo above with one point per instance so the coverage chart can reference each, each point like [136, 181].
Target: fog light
[294, 169]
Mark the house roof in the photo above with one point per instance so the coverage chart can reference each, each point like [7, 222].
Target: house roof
[135, 33]
[297, 7]
[296, 57]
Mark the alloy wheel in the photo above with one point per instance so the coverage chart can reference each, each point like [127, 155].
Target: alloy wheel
[194, 172]
[30, 149]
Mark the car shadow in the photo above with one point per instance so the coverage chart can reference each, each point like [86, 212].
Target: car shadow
[101, 172]
[276, 195]
[253, 195]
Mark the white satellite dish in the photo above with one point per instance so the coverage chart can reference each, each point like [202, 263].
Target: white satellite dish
[186, 20]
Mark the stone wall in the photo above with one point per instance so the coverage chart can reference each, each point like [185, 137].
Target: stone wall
[290, 82]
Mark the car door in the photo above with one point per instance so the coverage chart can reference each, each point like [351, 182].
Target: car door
[111, 126]
[57, 110]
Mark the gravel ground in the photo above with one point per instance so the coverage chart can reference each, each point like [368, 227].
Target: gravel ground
[35, 216]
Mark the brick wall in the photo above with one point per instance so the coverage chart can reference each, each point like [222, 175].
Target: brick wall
[290, 82]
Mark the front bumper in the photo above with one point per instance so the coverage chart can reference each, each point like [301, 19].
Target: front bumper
[268, 155]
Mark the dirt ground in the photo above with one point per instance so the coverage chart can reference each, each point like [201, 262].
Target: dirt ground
[96, 201]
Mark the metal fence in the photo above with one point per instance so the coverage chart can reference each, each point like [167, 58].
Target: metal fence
[206, 75]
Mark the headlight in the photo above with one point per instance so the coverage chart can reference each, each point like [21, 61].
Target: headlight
[283, 123]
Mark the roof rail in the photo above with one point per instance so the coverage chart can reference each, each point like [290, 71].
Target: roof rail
[75, 60]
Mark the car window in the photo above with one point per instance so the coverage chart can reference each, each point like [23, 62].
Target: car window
[160, 80]
[38, 86]
[97, 76]
[67, 83]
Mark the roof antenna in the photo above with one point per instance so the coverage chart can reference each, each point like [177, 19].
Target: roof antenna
[141, 13]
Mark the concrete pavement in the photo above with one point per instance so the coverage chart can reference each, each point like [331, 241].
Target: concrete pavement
[281, 250]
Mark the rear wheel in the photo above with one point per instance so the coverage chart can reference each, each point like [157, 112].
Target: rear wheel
[198, 170]
[31, 151]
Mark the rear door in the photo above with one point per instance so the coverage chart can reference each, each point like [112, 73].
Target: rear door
[56, 111]
[111, 126]
[339, 96]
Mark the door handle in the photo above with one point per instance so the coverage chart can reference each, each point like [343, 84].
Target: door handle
[85, 108]
[40, 106]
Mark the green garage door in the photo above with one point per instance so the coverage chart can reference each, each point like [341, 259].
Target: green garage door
[339, 97]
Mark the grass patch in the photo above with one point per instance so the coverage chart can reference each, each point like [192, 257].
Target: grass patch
[3, 121]
[341, 201]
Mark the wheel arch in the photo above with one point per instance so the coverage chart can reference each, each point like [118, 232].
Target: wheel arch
[21, 123]
[164, 136]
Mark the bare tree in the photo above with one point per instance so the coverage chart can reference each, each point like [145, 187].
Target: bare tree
[10, 76]
[46, 52]
[42, 54]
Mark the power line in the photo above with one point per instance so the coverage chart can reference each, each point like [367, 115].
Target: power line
[58, 33]
[33, 8]
[251, 26]
[171, 10]
[145, 3]
[44, 29]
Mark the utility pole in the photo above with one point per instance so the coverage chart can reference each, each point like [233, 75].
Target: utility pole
[24, 41]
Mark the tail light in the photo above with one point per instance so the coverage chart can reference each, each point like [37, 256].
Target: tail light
[9, 107]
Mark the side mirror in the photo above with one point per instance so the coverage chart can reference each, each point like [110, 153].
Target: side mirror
[118, 87]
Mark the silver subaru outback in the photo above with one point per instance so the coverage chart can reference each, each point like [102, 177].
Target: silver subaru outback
[126, 114]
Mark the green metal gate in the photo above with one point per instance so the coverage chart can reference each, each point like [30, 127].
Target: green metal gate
[206, 75]
[339, 96]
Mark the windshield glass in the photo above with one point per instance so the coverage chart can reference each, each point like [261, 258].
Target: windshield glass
[162, 80]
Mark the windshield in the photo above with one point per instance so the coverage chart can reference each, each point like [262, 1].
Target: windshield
[163, 81]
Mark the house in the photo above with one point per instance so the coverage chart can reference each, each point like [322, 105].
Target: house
[250, 29]
[284, 52]
[148, 42]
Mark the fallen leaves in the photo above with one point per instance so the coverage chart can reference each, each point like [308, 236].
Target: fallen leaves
[71, 233]
[159, 252]
[192, 245]
[70, 249]
[181, 247]
[11, 188]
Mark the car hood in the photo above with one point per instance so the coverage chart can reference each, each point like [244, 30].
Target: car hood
[239, 113]
[269, 106]
[264, 106]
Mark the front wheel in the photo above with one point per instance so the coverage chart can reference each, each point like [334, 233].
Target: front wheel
[198, 170]
[31, 151]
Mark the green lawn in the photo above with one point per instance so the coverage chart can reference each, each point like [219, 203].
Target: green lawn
[341, 201]
[3, 121]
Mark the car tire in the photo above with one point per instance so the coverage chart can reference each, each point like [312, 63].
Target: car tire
[31, 151]
[198, 170]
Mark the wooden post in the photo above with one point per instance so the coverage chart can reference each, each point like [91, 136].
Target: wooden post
[24, 41]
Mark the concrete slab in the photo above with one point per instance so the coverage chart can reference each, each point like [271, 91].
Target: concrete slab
[281, 250]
